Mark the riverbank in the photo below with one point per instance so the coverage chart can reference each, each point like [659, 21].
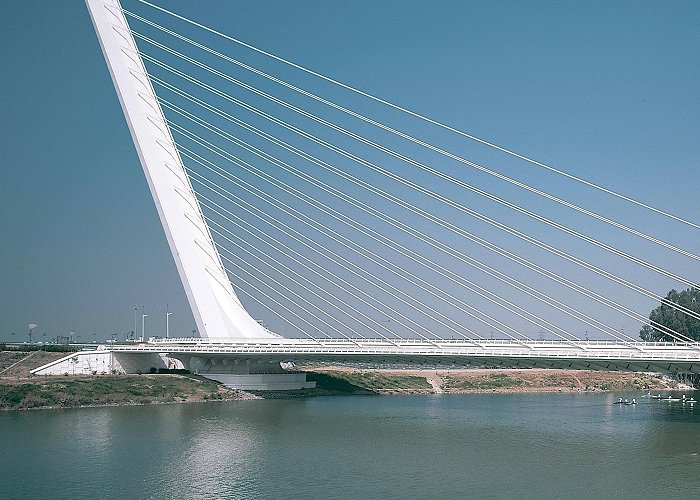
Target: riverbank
[460, 381]
[111, 390]
[19, 390]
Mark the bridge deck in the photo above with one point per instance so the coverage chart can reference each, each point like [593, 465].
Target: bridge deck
[595, 355]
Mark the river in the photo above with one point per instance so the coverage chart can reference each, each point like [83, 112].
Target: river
[466, 446]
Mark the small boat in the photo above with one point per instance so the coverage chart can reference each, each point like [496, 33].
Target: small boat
[633, 402]
[690, 400]
[657, 397]
[671, 398]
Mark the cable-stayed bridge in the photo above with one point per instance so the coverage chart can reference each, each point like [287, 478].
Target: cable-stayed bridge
[362, 230]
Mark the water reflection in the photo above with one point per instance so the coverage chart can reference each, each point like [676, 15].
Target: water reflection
[520, 445]
[218, 456]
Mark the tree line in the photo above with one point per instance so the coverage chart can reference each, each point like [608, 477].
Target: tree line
[674, 319]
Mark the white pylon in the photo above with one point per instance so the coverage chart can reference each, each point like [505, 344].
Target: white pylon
[215, 306]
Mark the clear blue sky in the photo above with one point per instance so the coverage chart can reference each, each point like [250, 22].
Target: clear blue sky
[604, 90]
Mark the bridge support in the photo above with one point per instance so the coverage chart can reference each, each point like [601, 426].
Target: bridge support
[245, 373]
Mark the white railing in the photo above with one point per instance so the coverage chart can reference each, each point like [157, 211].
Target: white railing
[541, 349]
[324, 341]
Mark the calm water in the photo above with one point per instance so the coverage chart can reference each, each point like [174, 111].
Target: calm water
[474, 446]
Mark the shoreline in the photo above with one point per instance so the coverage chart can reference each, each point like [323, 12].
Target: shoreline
[19, 390]
[504, 380]
[238, 395]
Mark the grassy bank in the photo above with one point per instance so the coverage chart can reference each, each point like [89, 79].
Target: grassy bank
[64, 392]
[551, 380]
[486, 380]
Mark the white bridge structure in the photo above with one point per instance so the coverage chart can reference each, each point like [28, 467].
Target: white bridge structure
[361, 241]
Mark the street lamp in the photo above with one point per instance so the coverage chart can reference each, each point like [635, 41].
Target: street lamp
[136, 309]
[143, 327]
[31, 327]
[167, 325]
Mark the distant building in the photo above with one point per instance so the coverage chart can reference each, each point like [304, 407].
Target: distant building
[62, 340]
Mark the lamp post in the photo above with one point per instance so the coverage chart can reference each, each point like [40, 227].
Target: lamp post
[31, 326]
[143, 327]
[136, 309]
[167, 325]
